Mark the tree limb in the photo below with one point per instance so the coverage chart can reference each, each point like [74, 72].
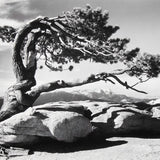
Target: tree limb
[140, 81]
[35, 92]
[125, 84]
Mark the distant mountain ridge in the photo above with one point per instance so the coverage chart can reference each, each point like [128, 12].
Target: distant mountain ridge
[81, 95]
[60, 96]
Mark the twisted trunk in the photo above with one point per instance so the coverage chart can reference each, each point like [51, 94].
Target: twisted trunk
[16, 100]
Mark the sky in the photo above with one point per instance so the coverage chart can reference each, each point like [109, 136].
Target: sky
[138, 20]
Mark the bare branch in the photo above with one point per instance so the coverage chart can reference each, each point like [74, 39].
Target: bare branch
[77, 38]
[140, 81]
[125, 84]
[121, 71]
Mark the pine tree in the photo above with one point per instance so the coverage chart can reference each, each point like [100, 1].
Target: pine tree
[75, 36]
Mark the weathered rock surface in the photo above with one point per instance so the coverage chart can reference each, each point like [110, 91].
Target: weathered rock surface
[60, 122]
[119, 120]
[66, 121]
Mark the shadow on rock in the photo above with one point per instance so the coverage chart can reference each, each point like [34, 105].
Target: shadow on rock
[52, 146]
[101, 131]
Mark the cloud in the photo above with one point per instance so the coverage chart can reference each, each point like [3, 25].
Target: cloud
[10, 22]
[4, 84]
[4, 46]
[16, 9]
[4, 71]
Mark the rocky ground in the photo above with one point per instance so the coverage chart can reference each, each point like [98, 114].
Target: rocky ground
[117, 148]
[109, 118]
